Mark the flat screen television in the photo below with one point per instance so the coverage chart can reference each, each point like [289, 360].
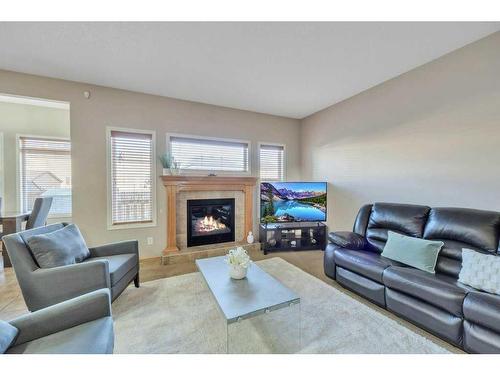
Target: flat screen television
[285, 202]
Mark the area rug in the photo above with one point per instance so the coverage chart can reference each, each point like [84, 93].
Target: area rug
[179, 315]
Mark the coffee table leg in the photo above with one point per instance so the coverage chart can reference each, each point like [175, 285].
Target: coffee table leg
[227, 338]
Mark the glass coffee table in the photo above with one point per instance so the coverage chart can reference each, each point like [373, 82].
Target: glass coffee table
[261, 314]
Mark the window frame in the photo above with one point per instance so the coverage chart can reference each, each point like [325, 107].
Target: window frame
[284, 158]
[19, 196]
[205, 172]
[109, 174]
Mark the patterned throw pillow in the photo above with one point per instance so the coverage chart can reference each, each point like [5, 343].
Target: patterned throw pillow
[480, 271]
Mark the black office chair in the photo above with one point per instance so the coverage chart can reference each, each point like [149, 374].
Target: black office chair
[40, 212]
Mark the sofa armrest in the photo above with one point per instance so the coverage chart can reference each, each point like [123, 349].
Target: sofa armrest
[123, 247]
[53, 285]
[64, 315]
[348, 240]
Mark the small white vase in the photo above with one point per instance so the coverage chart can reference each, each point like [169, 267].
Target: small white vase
[237, 272]
[250, 238]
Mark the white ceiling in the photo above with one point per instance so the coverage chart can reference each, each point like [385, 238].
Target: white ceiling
[287, 69]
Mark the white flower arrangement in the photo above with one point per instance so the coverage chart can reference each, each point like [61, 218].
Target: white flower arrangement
[238, 257]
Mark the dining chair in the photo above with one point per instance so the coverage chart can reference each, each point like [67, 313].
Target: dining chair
[39, 213]
[1, 226]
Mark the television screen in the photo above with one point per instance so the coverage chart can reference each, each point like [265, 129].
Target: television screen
[282, 202]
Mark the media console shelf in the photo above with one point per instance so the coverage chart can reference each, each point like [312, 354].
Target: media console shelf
[292, 236]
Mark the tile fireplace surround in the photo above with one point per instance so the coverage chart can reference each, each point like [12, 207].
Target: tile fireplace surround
[181, 188]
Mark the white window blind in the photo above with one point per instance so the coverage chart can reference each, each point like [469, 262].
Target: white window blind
[272, 162]
[211, 155]
[131, 177]
[45, 171]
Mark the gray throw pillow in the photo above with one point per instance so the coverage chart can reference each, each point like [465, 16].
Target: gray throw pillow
[480, 271]
[415, 252]
[8, 334]
[59, 248]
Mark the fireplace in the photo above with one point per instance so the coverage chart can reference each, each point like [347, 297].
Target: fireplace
[210, 221]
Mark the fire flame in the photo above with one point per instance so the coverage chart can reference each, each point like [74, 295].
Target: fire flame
[208, 224]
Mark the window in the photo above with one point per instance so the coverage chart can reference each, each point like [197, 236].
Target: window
[45, 171]
[272, 162]
[210, 154]
[132, 184]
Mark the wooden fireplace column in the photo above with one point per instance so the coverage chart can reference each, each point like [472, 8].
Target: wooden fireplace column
[176, 184]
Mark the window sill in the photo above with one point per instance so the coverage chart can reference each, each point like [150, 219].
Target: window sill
[60, 216]
[131, 226]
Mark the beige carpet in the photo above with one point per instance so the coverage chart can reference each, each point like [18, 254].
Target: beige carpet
[179, 315]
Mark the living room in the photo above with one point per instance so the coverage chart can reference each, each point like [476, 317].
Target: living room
[250, 188]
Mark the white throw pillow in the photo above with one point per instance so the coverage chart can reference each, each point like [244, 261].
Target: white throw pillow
[480, 271]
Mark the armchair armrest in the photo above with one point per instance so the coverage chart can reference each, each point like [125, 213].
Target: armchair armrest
[349, 240]
[53, 285]
[64, 315]
[123, 247]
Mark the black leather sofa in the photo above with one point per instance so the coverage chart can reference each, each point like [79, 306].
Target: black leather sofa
[461, 315]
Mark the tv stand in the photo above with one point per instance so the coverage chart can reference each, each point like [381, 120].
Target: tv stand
[292, 236]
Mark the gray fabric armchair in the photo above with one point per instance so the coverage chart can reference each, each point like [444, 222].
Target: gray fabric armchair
[82, 325]
[112, 266]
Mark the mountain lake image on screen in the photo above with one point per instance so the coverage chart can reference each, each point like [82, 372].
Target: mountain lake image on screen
[282, 202]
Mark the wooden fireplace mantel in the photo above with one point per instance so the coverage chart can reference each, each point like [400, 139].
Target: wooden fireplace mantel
[176, 184]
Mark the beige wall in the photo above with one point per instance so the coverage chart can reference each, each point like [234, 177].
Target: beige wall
[430, 136]
[110, 107]
[23, 119]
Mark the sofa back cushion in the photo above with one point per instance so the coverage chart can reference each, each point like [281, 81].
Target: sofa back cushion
[406, 219]
[462, 228]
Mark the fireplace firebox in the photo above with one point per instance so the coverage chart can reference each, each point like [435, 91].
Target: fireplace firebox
[210, 221]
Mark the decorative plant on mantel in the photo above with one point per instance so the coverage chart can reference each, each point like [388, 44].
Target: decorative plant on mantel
[170, 165]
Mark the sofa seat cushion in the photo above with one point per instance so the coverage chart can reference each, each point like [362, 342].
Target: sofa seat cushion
[365, 263]
[439, 290]
[95, 337]
[483, 309]
[119, 265]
